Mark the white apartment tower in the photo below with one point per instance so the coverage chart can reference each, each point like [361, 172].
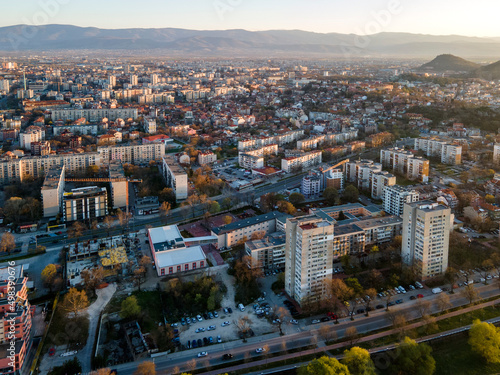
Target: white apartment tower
[395, 198]
[309, 257]
[426, 235]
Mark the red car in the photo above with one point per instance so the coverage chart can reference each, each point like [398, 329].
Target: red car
[420, 296]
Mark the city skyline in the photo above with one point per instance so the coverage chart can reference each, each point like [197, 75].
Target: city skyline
[321, 16]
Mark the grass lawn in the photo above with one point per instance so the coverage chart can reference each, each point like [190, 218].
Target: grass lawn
[454, 357]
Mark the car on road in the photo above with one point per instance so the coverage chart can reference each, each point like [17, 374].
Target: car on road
[202, 354]
[227, 356]
[260, 350]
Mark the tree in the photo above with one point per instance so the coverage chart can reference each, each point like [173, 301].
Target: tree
[75, 301]
[451, 276]
[296, 198]
[351, 194]
[164, 211]
[484, 339]
[146, 368]
[227, 220]
[359, 362]
[413, 359]
[8, 243]
[130, 308]
[470, 293]
[423, 307]
[351, 335]
[331, 196]
[443, 302]
[92, 278]
[49, 275]
[324, 366]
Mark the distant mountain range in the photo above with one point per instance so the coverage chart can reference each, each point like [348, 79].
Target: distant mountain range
[242, 43]
[455, 64]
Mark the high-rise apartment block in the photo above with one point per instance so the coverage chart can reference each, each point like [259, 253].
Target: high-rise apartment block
[426, 235]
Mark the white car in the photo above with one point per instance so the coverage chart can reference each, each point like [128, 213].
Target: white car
[260, 350]
[202, 354]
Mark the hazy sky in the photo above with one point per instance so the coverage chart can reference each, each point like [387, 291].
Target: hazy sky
[443, 17]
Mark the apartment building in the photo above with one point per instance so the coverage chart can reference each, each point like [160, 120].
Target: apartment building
[15, 321]
[248, 161]
[395, 198]
[361, 172]
[93, 114]
[230, 234]
[405, 163]
[132, 154]
[175, 177]
[426, 235]
[308, 257]
[307, 160]
[311, 185]
[32, 134]
[206, 157]
[379, 182]
[268, 253]
[86, 203]
[20, 169]
[52, 191]
[448, 152]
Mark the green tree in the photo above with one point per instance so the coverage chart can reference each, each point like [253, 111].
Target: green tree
[130, 308]
[358, 361]
[296, 198]
[331, 196]
[484, 339]
[413, 359]
[351, 194]
[324, 366]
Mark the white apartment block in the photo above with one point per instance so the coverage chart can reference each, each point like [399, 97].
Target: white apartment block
[426, 233]
[133, 154]
[395, 198]
[37, 166]
[150, 126]
[308, 257]
[32, 134]
[496, 153]
[307, 160]
[52, 192]
[380, 181]
[405, 163]
[248, 161]
[93, 114]
[175, 177]
[206, 157]
[449, 153]
[361, 173]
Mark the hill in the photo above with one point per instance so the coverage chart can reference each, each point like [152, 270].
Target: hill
[241, 43]
[444, 63]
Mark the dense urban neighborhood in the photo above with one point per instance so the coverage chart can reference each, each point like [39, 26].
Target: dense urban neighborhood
[241, 216]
